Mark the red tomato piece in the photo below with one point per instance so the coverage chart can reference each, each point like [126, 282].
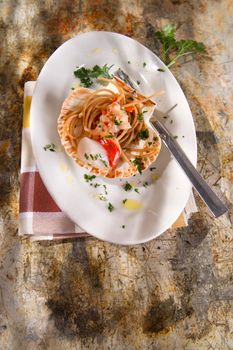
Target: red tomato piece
[129, 109]
[112, 150]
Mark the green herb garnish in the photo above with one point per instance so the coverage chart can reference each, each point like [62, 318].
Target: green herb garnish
[123, 226]
[138, 163]
[161, 70]
[145, 184]
[104, 162]
[110, 207]
[105, 189]
[175, 137]
[127, 187]
[136, 190]
[144, 64]
[117, 122]
[86, 156]
[124, 201]
[144, 134]
[138, 82]
[129, 62]
[102, 198]
[85, 74]
[149, 143]
[89, 178]
[152, 168]
[108, 136]
[51, 147]
[140, 116]
[96, 185]
[173, 49]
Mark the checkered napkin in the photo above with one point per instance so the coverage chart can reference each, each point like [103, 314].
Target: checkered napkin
[39, 216]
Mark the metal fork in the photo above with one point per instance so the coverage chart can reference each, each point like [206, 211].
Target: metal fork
[213, 202]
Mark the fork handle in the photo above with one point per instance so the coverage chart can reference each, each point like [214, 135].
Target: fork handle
[216, 206]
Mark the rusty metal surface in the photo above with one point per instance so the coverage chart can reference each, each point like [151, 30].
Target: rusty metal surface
[172, 293]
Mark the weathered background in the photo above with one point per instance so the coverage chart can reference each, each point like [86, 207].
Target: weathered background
[175, 292]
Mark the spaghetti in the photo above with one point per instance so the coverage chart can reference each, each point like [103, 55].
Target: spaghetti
[113, 120]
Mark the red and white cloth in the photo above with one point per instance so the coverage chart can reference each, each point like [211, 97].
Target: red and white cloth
[40, 217]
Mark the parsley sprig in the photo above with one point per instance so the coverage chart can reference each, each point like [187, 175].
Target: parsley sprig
[172, 49]
[86, 75]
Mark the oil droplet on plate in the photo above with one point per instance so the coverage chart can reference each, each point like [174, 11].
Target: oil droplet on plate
[114, 50]
[96, 50]
[69, 179]
[154, 177]
[132, 204]
[63, 167]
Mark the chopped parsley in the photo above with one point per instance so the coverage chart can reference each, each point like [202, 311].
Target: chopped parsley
[96, 185]
[175, 137]
[110, 207]
[102, 198]
[144, 64]
[140, 116]
[124, 201]
[92, 156]
[144, 134]
[89, 178]
[145, 184]
[138, 163]
[138, 82]
[161, 70]
[51, 147]
[108, 136]
[104, 163]
[85, 74]
[136, 190]
[145, 111]
[155, 139]
[72, 88]
[105, 189]
[117, 122]
[129, 62]
[123, 226]
[149, 143]
[152, 168]
[127, 187]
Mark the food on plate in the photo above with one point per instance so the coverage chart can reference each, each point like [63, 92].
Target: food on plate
[105, 130]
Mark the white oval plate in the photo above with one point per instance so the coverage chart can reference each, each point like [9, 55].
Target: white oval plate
[166, 196]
